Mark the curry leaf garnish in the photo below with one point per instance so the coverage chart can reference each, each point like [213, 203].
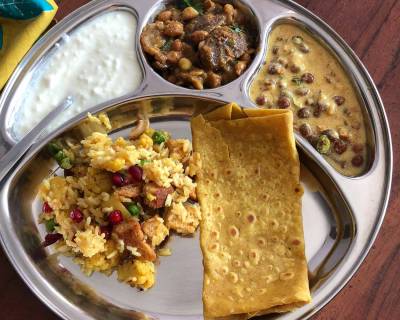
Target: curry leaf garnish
[195, 4]
[297, 80]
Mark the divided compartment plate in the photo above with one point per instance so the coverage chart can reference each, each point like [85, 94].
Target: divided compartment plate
[341, 215]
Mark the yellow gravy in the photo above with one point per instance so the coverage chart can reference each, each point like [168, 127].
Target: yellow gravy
[301, 74]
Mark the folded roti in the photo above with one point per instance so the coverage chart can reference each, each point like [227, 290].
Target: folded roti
[251, 233]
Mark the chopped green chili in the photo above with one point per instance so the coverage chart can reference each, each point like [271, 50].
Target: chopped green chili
[159, 137]
[323, 144]
[50, 224]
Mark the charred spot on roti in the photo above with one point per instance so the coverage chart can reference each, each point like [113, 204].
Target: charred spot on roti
[296, 242]
[274, 224]
[213, 246]
[254, 256]
[214, 234]
[233, 277]
[265, 197]
[261, 242]
[224, 270]
[286, 275]
[233, 232]
[251, 218]
[236, 263]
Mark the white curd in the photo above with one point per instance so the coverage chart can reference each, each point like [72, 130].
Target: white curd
[95, 63]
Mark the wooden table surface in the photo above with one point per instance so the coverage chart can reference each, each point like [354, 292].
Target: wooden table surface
[371, 28]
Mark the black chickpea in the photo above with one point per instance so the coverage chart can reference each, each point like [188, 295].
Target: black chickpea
[307, 77]
[305, 130]
[260, 100]
[339, 100]
[275, 68]
[304, 113]
[339, 146]
[283, 102]
[295, 69]
[302, 91]
[357, 160]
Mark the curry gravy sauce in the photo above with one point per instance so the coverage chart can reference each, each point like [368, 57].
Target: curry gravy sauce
[301, 74]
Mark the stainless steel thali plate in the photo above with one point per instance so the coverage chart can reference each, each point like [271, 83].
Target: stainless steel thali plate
[341, 215]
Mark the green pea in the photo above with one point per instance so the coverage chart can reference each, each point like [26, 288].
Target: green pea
[50, 224]
[134, 209]
[159, 137]
[323, 144]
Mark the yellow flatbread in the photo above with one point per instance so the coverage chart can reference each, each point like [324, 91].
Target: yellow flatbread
[251, 232]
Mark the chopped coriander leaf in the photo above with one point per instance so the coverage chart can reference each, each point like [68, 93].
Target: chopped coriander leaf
[134, 209]
[143, 161]
[167, 45]
[50, 224]
[159, 137]
[297, 80]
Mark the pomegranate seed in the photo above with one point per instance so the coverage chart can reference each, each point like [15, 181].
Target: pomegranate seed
[136, 173]
[115, 217]
[51, 238]
[118, 179]
[107, 231]
[76, 215]
[46, 208]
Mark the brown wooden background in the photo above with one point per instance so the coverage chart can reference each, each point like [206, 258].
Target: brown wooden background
[372, 29]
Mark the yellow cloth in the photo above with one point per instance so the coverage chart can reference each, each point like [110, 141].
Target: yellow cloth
[21, 23]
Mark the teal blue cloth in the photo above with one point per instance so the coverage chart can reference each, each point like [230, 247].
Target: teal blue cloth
[23, 9]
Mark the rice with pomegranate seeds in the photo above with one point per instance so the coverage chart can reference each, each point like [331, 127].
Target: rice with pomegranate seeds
[118, 201]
